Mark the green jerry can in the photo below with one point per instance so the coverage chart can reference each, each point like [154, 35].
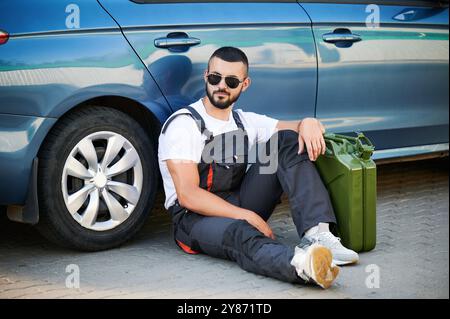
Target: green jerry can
[350, 176]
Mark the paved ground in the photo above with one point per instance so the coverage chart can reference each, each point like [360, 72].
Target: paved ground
[411, 256]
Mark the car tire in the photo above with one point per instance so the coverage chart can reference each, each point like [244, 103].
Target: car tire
[113, 201]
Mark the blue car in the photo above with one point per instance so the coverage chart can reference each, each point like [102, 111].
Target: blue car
[85, 86]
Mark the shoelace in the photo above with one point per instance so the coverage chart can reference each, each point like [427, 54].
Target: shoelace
[329, 238]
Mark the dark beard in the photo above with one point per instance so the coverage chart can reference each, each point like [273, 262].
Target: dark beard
[219, 104]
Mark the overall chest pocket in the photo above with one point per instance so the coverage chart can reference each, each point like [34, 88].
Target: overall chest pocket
[227, 176]
[228, 156]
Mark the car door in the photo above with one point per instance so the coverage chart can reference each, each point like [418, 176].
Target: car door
[176, 38]
[389, 80]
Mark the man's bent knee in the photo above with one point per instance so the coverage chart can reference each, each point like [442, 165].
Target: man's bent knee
[242, 236]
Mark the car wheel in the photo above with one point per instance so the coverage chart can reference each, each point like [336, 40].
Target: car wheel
[97, 179]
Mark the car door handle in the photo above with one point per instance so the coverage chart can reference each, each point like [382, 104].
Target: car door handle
[168, 42]
[341, 35]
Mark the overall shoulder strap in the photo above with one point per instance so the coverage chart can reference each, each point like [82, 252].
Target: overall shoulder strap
[198, 119]
[238, 121]
[195, 115]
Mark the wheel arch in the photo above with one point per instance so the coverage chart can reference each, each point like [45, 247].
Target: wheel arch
[29, 213]
[139, 112]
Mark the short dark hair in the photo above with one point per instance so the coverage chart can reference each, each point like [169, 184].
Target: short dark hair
[230, 54]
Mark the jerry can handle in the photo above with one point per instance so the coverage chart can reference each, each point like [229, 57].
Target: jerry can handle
[338, 138]
[365, 149]
[361, 137]
[364, 146]
[331, 141]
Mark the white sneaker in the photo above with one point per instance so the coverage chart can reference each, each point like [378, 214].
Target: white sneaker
[341, 255]
[315, 264]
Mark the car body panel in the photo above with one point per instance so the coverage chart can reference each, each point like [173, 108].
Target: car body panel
[25, 18]
[393, 84]
[44, 75]
[280, 48]
[20, 138]
[70, 69]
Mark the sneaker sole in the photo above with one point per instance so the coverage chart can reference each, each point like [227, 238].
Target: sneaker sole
[342, 263]
[324, 273]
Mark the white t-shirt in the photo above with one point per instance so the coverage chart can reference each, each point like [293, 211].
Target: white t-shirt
[182, 139]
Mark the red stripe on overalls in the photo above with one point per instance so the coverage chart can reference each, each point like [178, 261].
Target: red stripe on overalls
[186, 248]
[210, 178]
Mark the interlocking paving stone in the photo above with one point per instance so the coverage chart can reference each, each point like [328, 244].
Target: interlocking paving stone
[412, 254]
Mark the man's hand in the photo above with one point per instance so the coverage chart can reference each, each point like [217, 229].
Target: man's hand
[256, 221]
[310, 134]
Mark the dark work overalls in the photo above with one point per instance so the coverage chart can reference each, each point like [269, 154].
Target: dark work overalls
[223, 171]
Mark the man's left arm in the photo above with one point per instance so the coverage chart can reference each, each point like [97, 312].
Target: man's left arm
[310, 135]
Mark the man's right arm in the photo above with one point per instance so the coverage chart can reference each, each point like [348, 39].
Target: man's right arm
[191, 196]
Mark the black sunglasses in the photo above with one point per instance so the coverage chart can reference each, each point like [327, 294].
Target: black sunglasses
[230, 81]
